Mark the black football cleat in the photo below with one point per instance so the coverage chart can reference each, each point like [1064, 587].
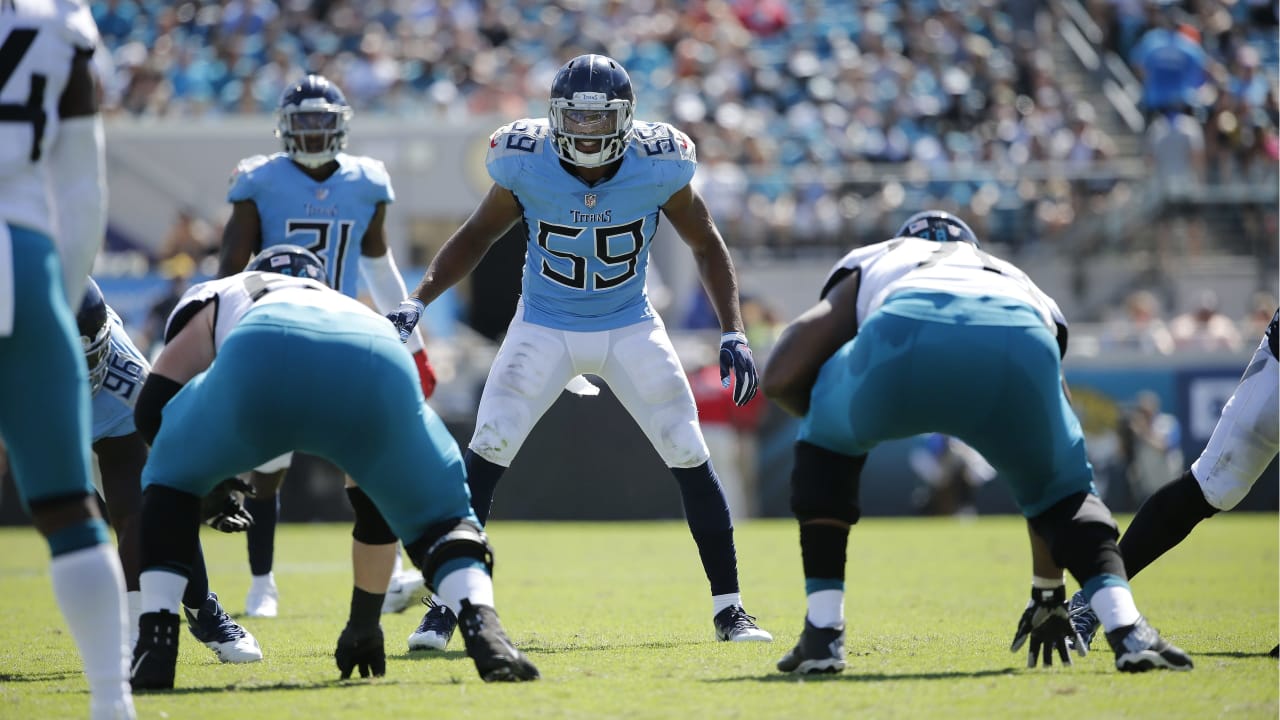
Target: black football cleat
[496, 659]
[819, 650]
[155, 658]
[1139, 648]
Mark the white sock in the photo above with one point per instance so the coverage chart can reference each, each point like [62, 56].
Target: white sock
[1044, 583]
[89, 586]
[826, 608]
[161, 590]
[399, 565]
[264, 581]
[469, 583]
[133, 601]
[720, 602]
[1114, 607]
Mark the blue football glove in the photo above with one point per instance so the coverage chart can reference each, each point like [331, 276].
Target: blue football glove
[736, 356]
[406, 317]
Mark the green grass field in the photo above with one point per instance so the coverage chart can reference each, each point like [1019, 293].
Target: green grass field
[617, 618]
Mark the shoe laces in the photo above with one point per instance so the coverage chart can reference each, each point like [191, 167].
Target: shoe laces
[219, 624]
[738, 618]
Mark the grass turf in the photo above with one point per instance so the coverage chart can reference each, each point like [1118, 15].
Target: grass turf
[617, 618]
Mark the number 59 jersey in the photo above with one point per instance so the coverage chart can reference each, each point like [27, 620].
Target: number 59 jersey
[588, 245]
[127, 369]
[38, 41]
[327, 217]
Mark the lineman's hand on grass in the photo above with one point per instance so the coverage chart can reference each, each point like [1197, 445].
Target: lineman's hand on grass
[1047, 624]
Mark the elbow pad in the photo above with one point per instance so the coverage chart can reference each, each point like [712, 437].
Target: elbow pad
[154, 395]
[78, 167]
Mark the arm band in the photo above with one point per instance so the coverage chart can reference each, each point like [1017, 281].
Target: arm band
[386, 287]
[154, 395]
[79, 184]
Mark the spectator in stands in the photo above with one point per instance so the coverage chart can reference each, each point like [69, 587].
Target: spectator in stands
[1151, 442]
[1170, 63]
[1205, 328]
[1141, 329]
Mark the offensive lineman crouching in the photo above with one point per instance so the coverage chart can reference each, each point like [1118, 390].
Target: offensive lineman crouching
[230, 403]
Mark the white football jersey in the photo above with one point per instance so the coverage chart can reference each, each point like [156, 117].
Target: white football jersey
[952, 267]
[236, 294]
[38, 40]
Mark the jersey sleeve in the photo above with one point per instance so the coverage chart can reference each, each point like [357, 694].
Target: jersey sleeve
[378, 181]
[192, 301]
[509, 147]
[674, 154]
[79, 29]
[244, 179]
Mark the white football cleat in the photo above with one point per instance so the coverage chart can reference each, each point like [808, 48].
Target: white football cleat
[263, 599]
[212, 626]
[402, 590]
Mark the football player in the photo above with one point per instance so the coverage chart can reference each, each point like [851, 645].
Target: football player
[117, 371]
[862, 367]
[52, 221]
[315, 195]
[589, 183]
[236, 384]
[1242, 444]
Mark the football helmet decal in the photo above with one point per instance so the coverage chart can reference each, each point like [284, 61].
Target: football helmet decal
[939, 226]
[293, 260]
[312, 121]
[95, 333]
[592, 107]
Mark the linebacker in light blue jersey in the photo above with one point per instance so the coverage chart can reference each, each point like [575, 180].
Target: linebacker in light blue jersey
[589, 184]
[117, 371]
[334, 204]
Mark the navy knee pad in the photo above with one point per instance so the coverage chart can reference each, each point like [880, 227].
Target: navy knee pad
[456, 539]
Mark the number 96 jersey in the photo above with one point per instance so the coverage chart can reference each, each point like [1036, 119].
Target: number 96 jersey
[127, 369]
[588, 245]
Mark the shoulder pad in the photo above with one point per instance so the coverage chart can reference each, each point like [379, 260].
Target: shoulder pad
[520, 138]
[373, 172]
[662, 141]
[247, 165]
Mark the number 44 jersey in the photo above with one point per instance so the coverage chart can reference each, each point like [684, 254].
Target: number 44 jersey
[588, 245]
[327, 217]
[38, 40]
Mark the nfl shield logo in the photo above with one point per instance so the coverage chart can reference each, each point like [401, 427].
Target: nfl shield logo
[322, 193]
[589, 200]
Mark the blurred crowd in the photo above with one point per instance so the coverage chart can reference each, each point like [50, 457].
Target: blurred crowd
[1143, 326]
[791, 103]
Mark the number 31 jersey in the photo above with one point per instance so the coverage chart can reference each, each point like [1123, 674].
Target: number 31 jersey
[38, 40]
[588, 245]
[328, 217]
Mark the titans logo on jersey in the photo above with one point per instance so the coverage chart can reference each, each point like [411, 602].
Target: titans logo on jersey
[327, 217]
[588, 245]
[127, 369]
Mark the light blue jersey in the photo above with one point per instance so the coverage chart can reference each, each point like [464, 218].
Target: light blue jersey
[127, 369]
[328, 217]
[588, 245]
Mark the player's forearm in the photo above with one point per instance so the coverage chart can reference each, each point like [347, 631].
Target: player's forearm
[455, 261]
[716, 271]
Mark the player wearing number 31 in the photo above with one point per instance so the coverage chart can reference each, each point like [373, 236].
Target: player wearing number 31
[588, 183]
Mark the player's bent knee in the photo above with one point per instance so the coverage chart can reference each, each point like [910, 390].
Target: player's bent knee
[501, 428]
[446, 541]
[1082, 535]
[680, 443]
[824, 484]
[370, 527]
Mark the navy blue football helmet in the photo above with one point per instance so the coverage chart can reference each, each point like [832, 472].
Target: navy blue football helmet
[312, 121]
[292, 260]
[939, 226]
[94, 320]
[591, 100]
